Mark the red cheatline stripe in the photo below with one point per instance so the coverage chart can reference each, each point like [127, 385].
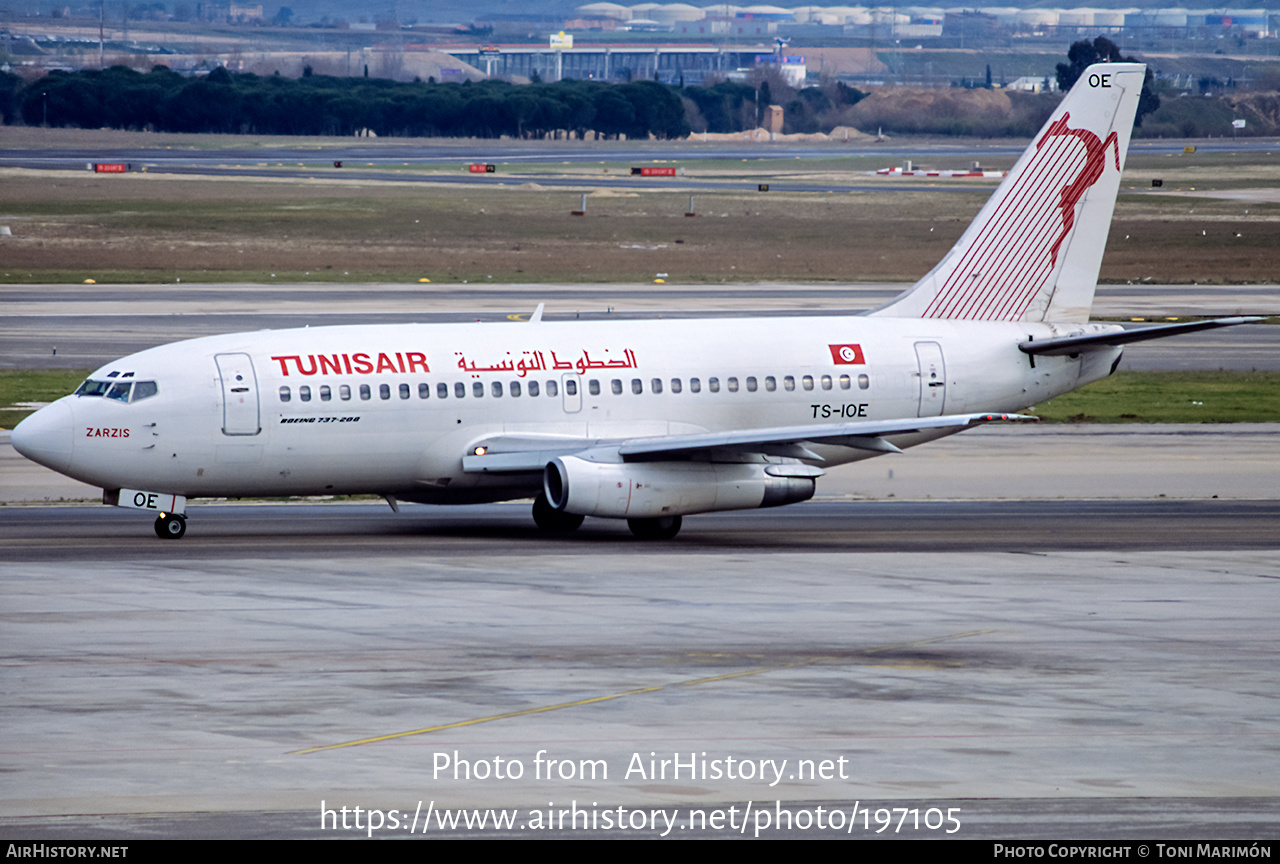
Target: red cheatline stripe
[987, 248]
[1024, 254]
[1029, 255]
[1022, 298]
[1033, 180]
[1020, 258]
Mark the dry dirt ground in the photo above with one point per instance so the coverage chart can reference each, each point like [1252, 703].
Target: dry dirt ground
[73, 225]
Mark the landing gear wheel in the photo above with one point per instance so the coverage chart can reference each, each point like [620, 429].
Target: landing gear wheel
[170, 526]
[551, 520]
[658, 528]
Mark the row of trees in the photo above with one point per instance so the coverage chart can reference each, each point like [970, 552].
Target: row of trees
[223, 102]
[163, 100]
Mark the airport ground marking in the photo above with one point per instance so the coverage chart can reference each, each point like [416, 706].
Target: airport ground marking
[692, 682]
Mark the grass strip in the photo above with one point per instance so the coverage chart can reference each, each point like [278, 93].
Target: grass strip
[1170, 397]
[33, 385]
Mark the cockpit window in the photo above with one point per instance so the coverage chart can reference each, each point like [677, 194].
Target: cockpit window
[118, 390]
[92, 388]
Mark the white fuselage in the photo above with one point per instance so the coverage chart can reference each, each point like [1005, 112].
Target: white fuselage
[392, 409]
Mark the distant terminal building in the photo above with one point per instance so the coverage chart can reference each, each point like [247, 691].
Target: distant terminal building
[229, 13]
[671, 64]
[921, 22]
[1033, 84]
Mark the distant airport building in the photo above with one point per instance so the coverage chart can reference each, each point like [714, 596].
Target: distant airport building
[611, 62]
[921, 22]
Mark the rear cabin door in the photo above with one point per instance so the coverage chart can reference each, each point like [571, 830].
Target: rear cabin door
[933, 379]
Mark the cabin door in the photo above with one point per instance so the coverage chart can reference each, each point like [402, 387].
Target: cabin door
[240, 414]
[933, 379]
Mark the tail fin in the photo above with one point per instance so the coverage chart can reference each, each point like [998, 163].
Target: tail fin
[1034, 251]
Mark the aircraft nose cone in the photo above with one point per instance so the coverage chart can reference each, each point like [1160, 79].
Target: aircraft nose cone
[46, 436]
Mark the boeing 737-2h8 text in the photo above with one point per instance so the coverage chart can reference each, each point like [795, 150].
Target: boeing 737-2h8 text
[639, 420]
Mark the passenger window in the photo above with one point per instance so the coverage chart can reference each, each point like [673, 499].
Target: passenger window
[656, 385]
[477, 389]
[284, 394]
[732, 385]
[120, 391]
[751, 384]
[807, 382]
[304, 393]
[496, 389]
[637, 386]
[675, 385]
[616, 386]
[695, 386]
[713, 384]
[384, 391]
[365, 393]
[404, 391]
[552, 389]
[593, 387]
[826, 382]
[459, 390]
[442, 390]
[571, 388]
[144, 389]
[863, 382]
[788, 383]
[515, 388]
[325, 393]
[770, 383]
[344, 392]
[424, 391]
[844, 382]
[533, 388]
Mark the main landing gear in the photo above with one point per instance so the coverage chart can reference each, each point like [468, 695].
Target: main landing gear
[551, 520]
[170, 526]
[657, 528]
[555, 521]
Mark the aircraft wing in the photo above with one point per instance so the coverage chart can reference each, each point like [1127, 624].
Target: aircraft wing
[524, 453]
[1083, 343]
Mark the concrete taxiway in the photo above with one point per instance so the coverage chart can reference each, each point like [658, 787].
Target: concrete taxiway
[1062, 658]
[1073, 668]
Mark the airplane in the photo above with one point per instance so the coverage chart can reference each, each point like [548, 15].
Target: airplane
[648, 420]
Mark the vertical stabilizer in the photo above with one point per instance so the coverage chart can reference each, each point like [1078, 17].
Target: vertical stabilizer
[1034, 251]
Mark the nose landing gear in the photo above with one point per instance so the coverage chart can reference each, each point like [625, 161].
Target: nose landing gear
[170, 526]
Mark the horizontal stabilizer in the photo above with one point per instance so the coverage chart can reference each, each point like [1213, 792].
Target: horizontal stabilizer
[1080, 344]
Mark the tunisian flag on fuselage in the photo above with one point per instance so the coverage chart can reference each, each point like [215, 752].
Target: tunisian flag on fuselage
[847, 355]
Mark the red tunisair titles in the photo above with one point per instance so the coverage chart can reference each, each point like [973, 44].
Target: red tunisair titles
[353, 364]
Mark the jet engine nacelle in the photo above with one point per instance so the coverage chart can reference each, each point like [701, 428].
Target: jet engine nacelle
[644, 490]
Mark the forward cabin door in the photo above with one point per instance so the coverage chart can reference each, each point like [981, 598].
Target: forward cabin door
[933, 379]
[240, 414]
